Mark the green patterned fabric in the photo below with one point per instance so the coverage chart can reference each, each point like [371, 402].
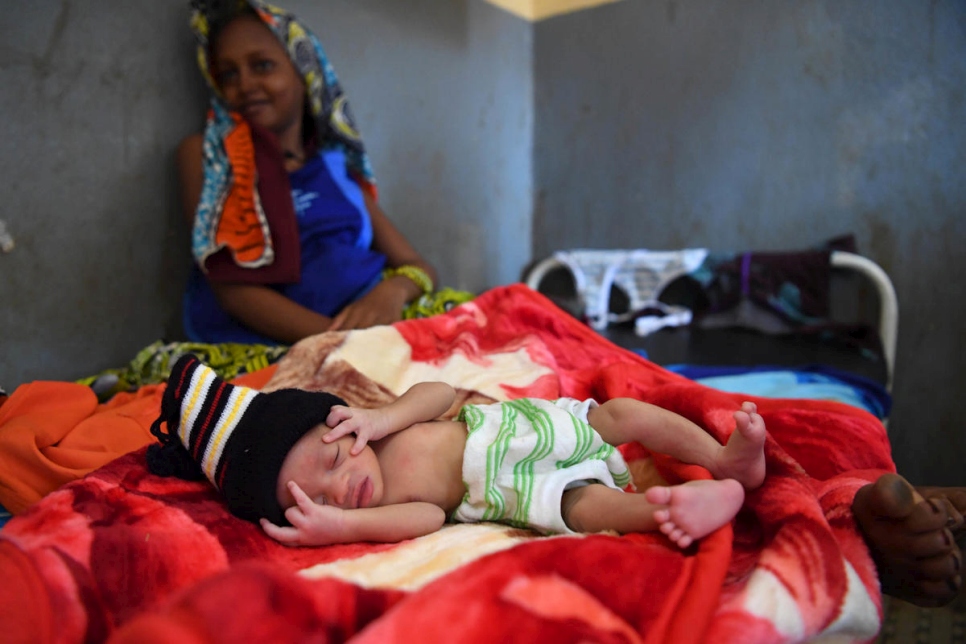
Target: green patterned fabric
[435, 303]
[152, 364]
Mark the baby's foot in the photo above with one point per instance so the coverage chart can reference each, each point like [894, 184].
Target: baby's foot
[910, 541]
[743, 457]
[696, 508]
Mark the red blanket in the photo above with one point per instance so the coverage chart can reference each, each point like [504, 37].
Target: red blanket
[125, 555]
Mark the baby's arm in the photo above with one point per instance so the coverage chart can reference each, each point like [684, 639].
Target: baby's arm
[422, 402]
[323, 525]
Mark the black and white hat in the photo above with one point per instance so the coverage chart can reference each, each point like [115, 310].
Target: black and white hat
[234, 436]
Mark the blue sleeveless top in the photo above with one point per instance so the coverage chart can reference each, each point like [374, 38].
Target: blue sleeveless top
[338, 265]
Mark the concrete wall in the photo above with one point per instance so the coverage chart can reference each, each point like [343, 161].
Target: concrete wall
[737, 126]
[91, 104]
[95, 96]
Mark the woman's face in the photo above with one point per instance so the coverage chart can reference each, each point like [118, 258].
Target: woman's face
[256, 76]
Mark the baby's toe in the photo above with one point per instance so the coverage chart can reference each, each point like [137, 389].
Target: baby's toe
[658, 494]
[677, 534]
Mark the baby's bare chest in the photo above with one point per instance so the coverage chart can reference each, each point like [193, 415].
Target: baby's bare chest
[425, 463]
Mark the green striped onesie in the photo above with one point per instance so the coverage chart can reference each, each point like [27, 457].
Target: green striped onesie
[522, 455]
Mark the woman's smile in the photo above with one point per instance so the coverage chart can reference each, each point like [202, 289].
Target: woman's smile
[252, 109]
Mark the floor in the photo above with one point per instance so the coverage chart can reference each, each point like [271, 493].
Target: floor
[908, 624]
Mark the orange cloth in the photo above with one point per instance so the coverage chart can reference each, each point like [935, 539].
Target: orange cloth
[240, 226]
[52, 433]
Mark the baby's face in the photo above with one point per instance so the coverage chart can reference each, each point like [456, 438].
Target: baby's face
[329, 474]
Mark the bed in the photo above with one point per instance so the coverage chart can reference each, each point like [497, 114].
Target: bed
[842, 345]
[122, 555]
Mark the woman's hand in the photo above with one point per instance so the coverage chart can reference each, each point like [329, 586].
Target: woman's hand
[312, 524]
[382, 305]
[366, 424]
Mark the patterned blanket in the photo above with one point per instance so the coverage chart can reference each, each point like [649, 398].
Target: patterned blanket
[122, 555]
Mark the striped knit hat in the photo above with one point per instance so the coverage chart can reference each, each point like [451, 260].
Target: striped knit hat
[234, 436]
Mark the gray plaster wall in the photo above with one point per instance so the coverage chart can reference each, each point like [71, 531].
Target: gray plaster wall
[96, 95]
[737, 125]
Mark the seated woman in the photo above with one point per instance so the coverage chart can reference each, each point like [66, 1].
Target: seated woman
[288, 238]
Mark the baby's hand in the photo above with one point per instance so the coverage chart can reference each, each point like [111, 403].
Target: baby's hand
[364, 423]
[312, 524]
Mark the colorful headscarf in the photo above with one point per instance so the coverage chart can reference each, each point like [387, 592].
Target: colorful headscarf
[230, 212]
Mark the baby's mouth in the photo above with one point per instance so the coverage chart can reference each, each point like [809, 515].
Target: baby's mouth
[363, 493]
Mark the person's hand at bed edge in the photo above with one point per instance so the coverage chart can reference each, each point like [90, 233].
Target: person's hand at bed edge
[912, 534]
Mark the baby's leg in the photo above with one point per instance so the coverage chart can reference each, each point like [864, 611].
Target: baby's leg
[743, 457]
[683, 512]
[696, 508]
[623, 420]
[596, 507]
